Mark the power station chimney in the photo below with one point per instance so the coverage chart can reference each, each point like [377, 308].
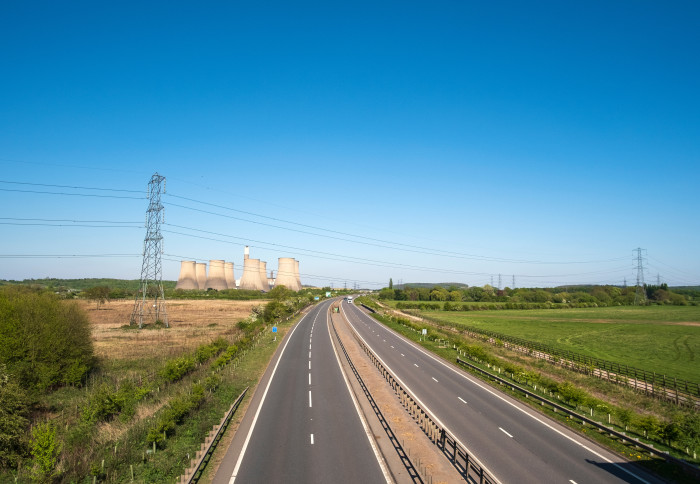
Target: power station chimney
[251, 275]
[201, 272]
[246, 253]
[286, 274]
[188, 276]
[263, 276]
[230, 278]
[217, 275]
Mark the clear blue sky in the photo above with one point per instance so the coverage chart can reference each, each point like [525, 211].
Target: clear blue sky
[545, 140]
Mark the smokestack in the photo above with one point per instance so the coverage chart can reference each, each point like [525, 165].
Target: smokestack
[217, 275]
[296, 271]
[230, 278]
[251, 275]
[201, 271]
[188, 277]
[263, 276]
[286, 274]
[246, 253]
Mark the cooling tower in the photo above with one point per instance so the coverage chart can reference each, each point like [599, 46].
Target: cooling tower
[263, 276]
[188, 276]
[251, 275]
[230, 279]
[286, 274]
[201, 271]
[296, 272]
[217, 275]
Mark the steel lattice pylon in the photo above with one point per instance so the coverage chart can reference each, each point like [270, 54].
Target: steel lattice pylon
[640, 294]
[151, 286]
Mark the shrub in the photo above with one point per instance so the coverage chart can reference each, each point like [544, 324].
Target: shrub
[13, 420]
[177, 368]
[44, 341]
[45, 450]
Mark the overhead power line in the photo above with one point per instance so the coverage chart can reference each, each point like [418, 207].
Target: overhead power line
[393, 245]
[345, 258]
[71, 186]
[43, 192]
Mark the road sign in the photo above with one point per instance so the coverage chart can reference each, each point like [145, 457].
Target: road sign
[316, 298]
[328, 294]
[274, 329]
[424, 332]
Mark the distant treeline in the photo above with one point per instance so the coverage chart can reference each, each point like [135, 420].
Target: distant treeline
[531, 298]
[105, 289]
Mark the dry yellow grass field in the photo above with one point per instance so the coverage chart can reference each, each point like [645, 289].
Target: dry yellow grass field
[192, 323]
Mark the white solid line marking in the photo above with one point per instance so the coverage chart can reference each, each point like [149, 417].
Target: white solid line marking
[462, 399]
[416, 365]
[505, 432]
[311, 405]
[435, 379]
[312, 439]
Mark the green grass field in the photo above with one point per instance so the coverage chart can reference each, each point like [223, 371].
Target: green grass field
[664, 339]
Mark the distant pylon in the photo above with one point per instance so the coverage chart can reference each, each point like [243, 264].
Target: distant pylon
[499, 282]
[513, 286]
[640, 295]
[151, 268]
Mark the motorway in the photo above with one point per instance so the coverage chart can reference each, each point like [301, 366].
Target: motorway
[302, 424]
[514, 442]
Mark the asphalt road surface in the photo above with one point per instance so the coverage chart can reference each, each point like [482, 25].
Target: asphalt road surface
[515, 443]
[302, 425]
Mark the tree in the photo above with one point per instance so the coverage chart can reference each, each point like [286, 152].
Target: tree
[43, 341]
[99, 294]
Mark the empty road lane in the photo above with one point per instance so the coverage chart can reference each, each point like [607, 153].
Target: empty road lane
[302, 424]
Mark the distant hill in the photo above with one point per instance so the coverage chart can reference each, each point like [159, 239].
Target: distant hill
[81, 284]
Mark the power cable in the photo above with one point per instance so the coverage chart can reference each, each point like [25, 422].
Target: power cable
[70, 194]
[70, 186]
[408, 247]
[344, 258]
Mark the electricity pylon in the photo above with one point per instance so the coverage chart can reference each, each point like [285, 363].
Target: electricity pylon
[151, 285]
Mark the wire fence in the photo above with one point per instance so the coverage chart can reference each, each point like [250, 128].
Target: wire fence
[680, 392]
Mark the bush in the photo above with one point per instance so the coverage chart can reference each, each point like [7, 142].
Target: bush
[13, 420]
[177, 368]
[174, 414]
[45, 451]
[44, 341]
